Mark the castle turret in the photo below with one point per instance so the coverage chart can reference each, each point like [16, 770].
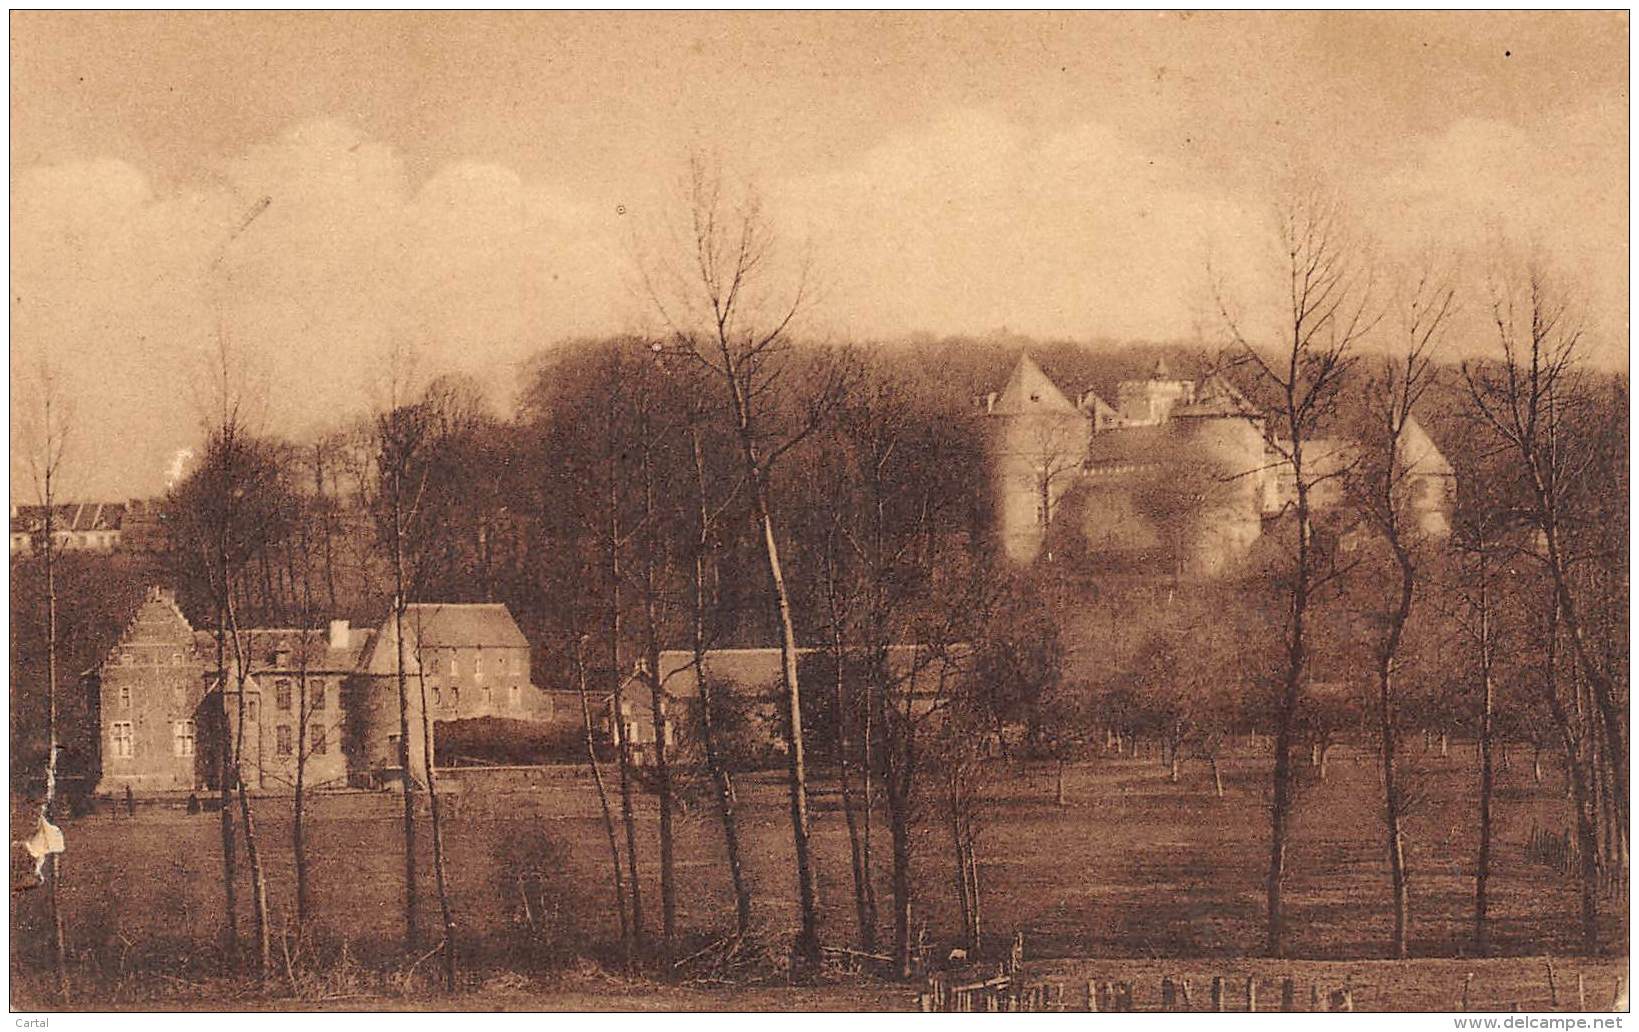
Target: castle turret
[1038, 442]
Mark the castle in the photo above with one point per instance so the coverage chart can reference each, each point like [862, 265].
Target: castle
[1179, 476]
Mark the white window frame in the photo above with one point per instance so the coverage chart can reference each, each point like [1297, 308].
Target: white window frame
[122, 739]
[183, 737]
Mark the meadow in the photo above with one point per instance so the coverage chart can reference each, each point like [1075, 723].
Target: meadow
[1134, 868]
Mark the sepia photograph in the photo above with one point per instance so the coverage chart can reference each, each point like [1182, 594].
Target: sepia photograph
[854, 511]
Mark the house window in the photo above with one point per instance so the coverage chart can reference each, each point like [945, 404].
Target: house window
[321, 744]
[176, 659]
[281, 694]
[128, 658]
[281, 737]
[455, 696]
[315, 696]
[182, 738]
[432, 663]
[125, 696]
[478, 663]
[514, 696]
[251, 709]
[438, 696]
[487, 700]
[124, 740]
[455, 663]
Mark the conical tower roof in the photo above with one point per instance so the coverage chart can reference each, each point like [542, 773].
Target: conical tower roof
[1418, 453]
[1029, 391]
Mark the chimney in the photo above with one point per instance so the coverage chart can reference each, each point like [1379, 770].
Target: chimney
[339, 634]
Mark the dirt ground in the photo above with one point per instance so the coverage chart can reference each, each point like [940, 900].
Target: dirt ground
[1134, 866]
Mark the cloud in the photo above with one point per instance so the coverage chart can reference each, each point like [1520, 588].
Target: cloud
[970, 224]
[970, 221]
[126, 284]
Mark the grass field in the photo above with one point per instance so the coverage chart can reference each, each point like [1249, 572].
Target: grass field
[1133, 867]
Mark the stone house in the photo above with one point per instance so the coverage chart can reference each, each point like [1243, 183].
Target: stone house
[324, 698]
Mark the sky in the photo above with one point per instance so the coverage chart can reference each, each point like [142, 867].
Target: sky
[477, 187]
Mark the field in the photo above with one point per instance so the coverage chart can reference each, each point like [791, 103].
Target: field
[1133, 867]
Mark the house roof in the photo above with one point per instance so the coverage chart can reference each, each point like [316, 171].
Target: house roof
[444, 625]
[464, 625]
[69, 517]
[282, 648]
[1029, 390]
[757, 670]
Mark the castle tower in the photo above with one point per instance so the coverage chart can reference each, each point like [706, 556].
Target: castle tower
[1151, 401]
[1038, 443]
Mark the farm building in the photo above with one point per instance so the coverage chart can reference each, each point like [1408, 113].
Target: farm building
[326, 699]
[751, 678]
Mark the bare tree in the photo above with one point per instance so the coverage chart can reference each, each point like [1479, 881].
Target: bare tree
[435, 810]
[727, 314]
[45, 459]
[412, 442]
[1385, 485]
[227, 514]
[1530, 401]
[706, 532]
[399, 434]
[1327, 312]
[617, 880]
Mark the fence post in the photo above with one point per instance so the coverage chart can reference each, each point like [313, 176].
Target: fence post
[1183, 993]
[1286, 994]
[1619, 998]
[1169, 994]
[1217, 993]
[1251, 994]
[1581, 993]
[1124, 996]
[1092, 997]
[1314, 996]
[1467, 980]
[1553, 986]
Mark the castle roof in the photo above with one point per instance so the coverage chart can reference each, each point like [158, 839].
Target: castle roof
[1029, 391]
[1217, 397]
[1418, 452]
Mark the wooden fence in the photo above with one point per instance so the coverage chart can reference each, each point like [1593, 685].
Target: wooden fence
[1012, 991]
